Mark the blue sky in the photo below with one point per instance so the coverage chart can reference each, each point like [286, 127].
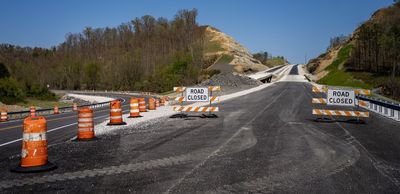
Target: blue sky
[294, 29]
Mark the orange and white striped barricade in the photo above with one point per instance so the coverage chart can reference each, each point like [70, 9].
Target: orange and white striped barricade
[340, 97]
[196, 94]
[134, 111]
[74, 107]
[116, 113]
[85, 124]
[3, 115]
[142, 105]
[343, 113]
[152, 104]
[195, 109]
[32, 111]
[34, 156]
[56, 111]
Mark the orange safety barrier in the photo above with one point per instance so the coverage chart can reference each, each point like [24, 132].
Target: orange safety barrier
[32, 110]
[56, 111]
[74, 107]
[134, 108]
[162, 102]
[3, 115]
[116, 113]
[157, 103]
[142, 105]
[152, 104]
[34, 146]
[85, 124]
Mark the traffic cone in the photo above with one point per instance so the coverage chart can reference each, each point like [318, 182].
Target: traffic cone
[32, 111]
[85, 124]
[157, 103]
[3, 115]
[142, 105]
[152, 104]
[116, 113]
[56, 111]
[34, 156]
[134, 108]
[74, 107]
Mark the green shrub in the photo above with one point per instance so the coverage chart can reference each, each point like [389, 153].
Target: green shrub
[11, 91]
[39, 92]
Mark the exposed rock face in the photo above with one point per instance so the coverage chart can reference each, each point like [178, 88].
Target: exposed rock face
[243, 61]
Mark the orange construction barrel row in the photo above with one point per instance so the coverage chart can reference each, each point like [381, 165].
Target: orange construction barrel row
[85, 124]
[116, 113]
[134, 108]
[3, 115]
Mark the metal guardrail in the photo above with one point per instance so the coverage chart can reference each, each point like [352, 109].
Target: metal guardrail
[48, 111]
[382, 107]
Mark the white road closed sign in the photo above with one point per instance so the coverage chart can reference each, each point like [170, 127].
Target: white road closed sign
[341, 97]
[197, 94]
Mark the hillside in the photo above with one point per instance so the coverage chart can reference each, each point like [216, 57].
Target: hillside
[369, 58]
[229, 55]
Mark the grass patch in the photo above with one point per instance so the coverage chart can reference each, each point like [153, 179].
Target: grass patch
[275, 61]
[225, 59]
[42, 103]
[337, 75]
[213, 47]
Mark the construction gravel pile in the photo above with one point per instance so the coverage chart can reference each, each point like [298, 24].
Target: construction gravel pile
[231, 82]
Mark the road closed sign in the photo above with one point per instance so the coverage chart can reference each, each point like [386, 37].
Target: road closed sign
[341, 97]
[198, 94]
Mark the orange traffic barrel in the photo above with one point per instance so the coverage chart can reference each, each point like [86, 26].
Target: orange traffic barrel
[34, 156]
[134, 108]
[85, 124]
[116, 113]
[3, 115]
[162, 102]
[152, 104]
[56, 111]
[32, 111]
[157, 103]
[74, 107]
[142, 105]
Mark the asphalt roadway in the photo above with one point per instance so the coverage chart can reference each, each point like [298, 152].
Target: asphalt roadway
[264, 142]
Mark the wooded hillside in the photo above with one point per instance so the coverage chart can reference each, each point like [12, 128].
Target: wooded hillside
[144, 54]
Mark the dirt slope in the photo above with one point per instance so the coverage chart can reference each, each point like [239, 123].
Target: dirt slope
[240, 60]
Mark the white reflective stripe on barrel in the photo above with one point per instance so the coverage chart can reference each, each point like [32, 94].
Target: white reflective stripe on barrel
[34, 136]
[134, 104]
[85, 115]
[85, 129]
[3, 113]
[116, 117]
[115, 110]
[85, 125]
[135, 111]
[85, 119]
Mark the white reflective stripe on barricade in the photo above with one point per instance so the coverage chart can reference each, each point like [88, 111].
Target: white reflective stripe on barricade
[134, 104]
